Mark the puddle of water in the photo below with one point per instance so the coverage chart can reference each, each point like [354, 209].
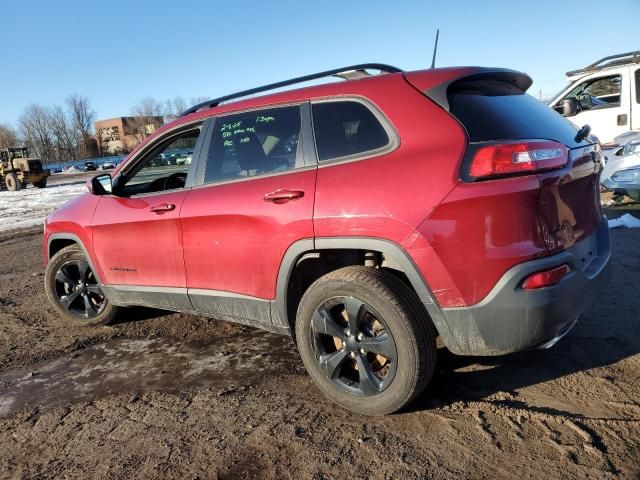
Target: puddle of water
[134, 365]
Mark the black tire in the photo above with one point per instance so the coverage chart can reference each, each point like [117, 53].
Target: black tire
[78, 303]
[11, 182]
[396, 308]
[41, 184]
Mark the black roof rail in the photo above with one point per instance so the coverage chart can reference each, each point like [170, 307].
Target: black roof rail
[612, 61]
[348, 73]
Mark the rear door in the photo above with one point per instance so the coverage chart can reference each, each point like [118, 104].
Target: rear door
[635, 98]
[254, 198]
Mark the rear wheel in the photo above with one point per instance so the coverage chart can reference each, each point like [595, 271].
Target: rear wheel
[365, 340]
[11, 181]
[74, 291]
[41, 184]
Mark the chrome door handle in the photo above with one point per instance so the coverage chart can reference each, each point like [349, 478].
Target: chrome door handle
[163, 207]
[283, 196]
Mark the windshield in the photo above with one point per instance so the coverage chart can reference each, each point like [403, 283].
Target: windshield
[18, 153]
[555, 97]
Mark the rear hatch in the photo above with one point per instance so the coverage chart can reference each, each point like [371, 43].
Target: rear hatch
[502, 121]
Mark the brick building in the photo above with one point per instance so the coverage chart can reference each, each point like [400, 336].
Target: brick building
[122, 134]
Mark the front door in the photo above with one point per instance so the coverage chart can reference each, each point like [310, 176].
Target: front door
[256, 199]
[137, 235]
[604, 104]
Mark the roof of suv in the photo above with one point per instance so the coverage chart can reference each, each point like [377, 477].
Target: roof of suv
[424, 80]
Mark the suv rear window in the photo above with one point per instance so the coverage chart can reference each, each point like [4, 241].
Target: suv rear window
[346, 128]
[491, 111]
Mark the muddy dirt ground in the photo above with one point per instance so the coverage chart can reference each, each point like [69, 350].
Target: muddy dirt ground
[177, 396]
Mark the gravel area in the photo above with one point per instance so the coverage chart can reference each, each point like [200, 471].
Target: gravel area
[163, 395]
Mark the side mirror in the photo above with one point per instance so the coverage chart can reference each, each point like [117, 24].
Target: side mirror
[568, 107]
[100, 185]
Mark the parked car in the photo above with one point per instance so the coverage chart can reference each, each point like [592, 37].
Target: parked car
[619, 147]
[621, 174]
[415, 205]
[108, 165]
[90, 166]
[159, 161]
[168, 158]
[604, 95]
[183, 159]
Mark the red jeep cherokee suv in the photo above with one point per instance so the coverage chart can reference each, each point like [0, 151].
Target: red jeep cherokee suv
[365, 218]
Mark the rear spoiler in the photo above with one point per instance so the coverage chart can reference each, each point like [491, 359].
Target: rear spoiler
[437, 88]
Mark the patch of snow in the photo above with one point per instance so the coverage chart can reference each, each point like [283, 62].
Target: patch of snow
[29, 207]
[627, 220]
[72, 170]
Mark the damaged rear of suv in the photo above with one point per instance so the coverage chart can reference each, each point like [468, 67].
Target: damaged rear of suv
[365, 218]
[529, 248]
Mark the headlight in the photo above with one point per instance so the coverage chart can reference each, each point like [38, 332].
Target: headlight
[631, 175]
[631, 147]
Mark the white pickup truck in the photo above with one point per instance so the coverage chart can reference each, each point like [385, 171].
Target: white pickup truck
[605, 95]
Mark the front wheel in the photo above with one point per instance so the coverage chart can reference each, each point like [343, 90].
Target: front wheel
[74, 291]
[12, 182]
[365, 340]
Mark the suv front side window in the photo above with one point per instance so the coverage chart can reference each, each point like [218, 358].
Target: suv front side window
[165, 167]
[598, 93]
[250, 144]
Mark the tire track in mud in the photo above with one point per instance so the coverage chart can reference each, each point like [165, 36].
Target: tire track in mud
[515, 412]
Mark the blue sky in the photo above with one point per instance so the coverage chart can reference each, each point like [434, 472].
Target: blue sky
[118, 52]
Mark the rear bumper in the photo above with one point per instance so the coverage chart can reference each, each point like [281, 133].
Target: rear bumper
[511, 319]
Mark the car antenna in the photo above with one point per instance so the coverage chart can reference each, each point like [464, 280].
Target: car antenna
[435, 49]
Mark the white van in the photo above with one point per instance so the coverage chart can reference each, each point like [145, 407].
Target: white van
[605, 95]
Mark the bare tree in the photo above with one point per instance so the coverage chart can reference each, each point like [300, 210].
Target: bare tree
[145, 114]
[35, 123]
[67, 136]
[175, 107]
[8, 136]
[82, 117]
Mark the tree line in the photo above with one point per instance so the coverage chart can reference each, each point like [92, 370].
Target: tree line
[55, 133]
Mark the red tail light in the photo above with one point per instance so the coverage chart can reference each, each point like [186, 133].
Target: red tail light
[546, 277]
[517, 158]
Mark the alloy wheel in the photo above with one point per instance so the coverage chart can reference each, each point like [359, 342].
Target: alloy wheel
[78, 291]
[354, 347]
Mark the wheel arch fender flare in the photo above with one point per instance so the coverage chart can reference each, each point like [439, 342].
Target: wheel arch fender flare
[390, 249]
[75, 239]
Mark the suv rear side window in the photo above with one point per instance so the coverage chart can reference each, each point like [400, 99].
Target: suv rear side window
[254, 143]
[638, 85]
[498, 111]
[346, 128]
